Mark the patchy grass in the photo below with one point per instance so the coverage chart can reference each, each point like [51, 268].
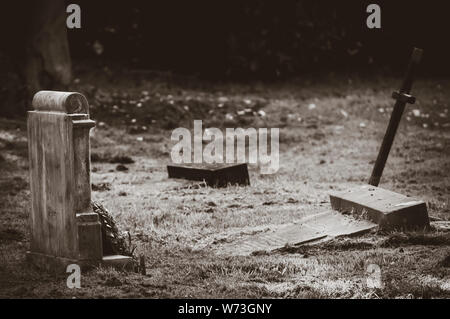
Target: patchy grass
[331, 129]
[425, 239]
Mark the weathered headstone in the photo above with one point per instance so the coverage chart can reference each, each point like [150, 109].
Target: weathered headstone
[64, 228]
[387, 208]
[215, 175]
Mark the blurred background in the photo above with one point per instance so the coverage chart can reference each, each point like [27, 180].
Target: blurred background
[260, 40]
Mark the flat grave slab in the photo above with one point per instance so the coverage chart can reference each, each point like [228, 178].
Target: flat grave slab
[215, 175]
[318, 227]
[386, 208]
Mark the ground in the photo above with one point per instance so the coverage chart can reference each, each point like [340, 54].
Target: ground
[331, 128]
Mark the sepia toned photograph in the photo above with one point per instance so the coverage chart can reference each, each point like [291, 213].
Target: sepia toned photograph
[228, 156]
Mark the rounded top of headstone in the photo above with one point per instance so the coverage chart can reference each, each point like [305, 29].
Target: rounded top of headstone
[57, 101]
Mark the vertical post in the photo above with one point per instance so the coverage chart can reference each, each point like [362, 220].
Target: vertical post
[402, 98]
[82, 170]
[89, 226]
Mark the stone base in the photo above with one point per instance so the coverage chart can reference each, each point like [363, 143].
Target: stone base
[59, 264]
[386, 208]
[118, 261]
[49, 263]
[215, 175]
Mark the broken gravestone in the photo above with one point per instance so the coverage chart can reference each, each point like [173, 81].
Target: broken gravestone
[388, 209]
[214, 175]
[311, 229]
[64, 228]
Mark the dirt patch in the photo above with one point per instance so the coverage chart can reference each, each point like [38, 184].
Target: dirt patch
[101, 187]
[11, 234]
[445, 262]
[13, 185]
[113, 159]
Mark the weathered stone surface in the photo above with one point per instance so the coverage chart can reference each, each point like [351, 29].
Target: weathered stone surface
[54, 182]
[117, 261]
[56, 101]
[64, 229]
[215, 175]
[386, 208]
[89, 236]
[322, 226]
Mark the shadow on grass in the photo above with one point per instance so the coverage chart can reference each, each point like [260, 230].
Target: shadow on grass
[408, 239]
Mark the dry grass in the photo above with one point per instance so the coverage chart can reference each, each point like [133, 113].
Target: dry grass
[178, 224]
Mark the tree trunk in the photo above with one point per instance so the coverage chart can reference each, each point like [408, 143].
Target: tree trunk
[35, 52]
[48, 64]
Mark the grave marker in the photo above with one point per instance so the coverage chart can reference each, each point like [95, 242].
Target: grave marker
[64, 229]
[214, 175]
[387, 208]
[311, 229]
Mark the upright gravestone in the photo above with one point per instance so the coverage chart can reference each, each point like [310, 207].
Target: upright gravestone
[64, 228]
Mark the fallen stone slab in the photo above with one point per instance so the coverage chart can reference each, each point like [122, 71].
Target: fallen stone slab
[386, 208]
[215, 175]
[318, 227]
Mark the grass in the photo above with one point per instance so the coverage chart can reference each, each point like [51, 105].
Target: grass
[330, 127]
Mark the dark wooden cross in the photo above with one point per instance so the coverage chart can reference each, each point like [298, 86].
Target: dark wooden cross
[402, 97]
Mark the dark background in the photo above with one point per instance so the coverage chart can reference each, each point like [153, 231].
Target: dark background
[262, 39]
[214, 40]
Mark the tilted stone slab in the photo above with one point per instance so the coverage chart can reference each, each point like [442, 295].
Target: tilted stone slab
[215, 175]
[386, 208]
[314, 228]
